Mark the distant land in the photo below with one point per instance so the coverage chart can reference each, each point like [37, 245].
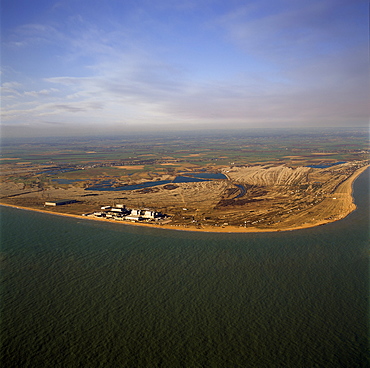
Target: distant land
[233, 181]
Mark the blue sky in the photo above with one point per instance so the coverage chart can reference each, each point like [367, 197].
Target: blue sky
[76, 66]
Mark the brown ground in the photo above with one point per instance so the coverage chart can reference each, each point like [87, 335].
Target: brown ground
[277, 198]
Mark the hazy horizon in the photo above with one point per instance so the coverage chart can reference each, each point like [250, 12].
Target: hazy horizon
[192, 134]
[73, 68]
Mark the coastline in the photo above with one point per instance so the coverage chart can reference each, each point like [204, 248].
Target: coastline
[344, 203]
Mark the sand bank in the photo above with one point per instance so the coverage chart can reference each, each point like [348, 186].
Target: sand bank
[339, 205]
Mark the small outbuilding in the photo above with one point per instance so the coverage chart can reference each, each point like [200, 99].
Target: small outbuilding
[61, 202]
[106, 207]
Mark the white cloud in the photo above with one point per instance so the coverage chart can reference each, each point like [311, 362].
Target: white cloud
[34, 35]
[43, 92]
[292, 68]
[293, 33]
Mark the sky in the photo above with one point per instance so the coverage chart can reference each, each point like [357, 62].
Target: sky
[110, 66]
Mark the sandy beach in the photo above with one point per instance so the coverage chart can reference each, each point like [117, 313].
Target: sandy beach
[339, 205]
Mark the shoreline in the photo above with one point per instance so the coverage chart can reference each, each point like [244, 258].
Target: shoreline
[345, 189]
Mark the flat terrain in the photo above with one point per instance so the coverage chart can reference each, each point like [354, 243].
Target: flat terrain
[242, 182]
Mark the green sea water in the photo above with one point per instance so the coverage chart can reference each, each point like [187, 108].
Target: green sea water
[79, 293]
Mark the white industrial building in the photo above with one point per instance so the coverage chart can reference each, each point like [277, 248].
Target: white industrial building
[120, 212]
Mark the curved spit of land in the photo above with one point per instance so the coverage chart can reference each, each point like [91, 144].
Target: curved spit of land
[250, 199]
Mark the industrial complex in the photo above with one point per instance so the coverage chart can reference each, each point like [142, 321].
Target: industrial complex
[121, 213]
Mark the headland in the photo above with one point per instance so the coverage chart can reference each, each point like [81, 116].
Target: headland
[213, 184]
[330, 209]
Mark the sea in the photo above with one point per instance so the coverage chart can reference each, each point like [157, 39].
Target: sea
[81, 293]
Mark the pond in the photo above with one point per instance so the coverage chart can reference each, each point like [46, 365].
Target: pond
[324, 166]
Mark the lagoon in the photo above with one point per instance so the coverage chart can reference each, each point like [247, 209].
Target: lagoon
[107, 185]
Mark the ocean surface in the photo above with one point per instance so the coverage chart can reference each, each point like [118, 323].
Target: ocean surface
[79, 293]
